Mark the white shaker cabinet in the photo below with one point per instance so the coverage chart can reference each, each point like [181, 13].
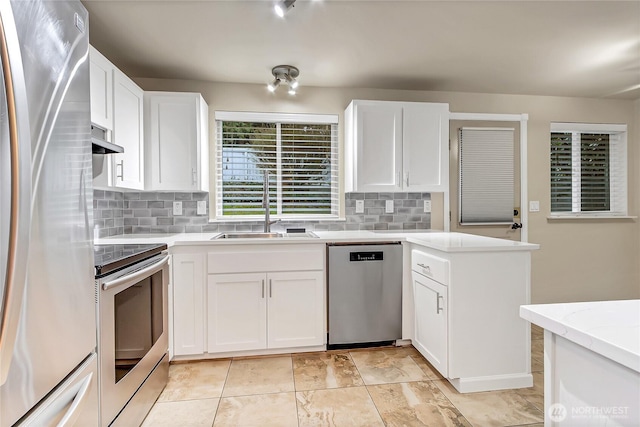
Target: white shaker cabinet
[396, 146]
[188, 306]
[430, 296]
[466, 315]
[101, 89]
[177, 139]
[128, 132]
[265, 297]
[117, 106]
[253, 311]
[295, 309]
[236, 312]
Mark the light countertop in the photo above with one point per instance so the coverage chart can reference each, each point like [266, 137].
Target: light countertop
[446, 242]
[609, 328]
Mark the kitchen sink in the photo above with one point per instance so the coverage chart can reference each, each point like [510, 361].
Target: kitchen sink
[258, 235]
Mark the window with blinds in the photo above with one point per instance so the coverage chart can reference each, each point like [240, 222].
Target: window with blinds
[588, 169]
[298, 151]
[486, 176]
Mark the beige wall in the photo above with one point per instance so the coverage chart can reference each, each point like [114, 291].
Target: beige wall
[578, 260]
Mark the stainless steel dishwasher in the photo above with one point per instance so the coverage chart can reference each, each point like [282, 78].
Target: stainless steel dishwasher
[365, 294]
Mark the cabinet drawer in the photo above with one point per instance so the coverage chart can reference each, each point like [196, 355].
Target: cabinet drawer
[265, 258]
[430, 266]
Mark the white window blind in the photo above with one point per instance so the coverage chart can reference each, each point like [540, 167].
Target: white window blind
[588, 169]
[486, 176]
[301, 157]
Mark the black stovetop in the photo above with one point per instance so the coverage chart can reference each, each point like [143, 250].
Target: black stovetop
[109, 258]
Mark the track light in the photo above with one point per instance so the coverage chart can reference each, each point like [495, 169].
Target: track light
[283, 7]
[293, 83]
[284, 74]
[273, 86]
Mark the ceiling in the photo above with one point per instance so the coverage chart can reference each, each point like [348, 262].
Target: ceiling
[563, 48]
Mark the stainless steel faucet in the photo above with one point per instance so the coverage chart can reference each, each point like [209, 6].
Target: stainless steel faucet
[265, 204]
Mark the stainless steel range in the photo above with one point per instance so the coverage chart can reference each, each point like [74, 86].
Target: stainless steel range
[131, 293]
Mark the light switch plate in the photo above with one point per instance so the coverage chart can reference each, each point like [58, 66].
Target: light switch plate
[388, 206]
[177, 208]
[534, 206]
[427, 206]
[202, 207]
[359, 206]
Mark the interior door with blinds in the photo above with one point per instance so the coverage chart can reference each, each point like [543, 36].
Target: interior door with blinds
[485, 178]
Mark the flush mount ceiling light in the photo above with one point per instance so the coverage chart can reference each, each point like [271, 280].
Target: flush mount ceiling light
[283, 7]
[284, 74]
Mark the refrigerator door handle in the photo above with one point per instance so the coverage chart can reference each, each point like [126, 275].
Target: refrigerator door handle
[78, 403]
[20, 204]
[67, 404]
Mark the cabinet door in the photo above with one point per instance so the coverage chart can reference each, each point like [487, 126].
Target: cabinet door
[101, 89]
[296, 309]
[425, 147]
[236, 312]
[430, 299]
[188, 304]
[173, 140]
[378, 147]
[128, 101]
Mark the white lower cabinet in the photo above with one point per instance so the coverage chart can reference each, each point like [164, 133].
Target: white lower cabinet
[236, 312]
[253, 311]
[431, 320]
[295, 309]
[466, 316]
[188, 303]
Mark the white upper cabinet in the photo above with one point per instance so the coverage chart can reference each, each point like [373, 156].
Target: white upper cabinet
[116, 105]
[128, 132]
[396, 146]
[101, 77]
[176, 139]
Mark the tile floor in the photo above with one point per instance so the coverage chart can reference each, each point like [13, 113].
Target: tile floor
[372, 387]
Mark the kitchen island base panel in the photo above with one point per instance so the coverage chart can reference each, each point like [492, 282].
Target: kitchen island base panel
[584, 388]
[497, 382]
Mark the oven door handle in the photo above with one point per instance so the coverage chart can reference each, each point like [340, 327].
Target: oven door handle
[136, 276]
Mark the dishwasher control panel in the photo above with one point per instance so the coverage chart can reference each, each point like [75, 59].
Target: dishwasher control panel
[366, 256]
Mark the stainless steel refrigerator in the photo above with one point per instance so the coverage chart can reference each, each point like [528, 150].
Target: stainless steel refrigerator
[48, 371]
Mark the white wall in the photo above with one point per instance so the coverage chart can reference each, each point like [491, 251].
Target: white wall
[580, 260]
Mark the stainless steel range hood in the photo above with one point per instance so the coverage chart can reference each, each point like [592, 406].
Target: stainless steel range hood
[99, 142]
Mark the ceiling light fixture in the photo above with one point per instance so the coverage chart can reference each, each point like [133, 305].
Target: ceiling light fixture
[283, 7]
[284, 74]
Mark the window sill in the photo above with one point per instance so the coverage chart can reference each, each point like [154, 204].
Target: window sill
[590, 217]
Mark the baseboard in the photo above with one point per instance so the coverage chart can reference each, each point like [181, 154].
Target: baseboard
[494, 382]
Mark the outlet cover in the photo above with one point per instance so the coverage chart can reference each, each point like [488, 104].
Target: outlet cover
[202, 207]
[427, 206]
[388, 206]
[177, 208]
[534, 206]
[359, 206]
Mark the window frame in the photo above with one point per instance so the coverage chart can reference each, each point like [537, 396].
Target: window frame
[282, 118]
[618, 159]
